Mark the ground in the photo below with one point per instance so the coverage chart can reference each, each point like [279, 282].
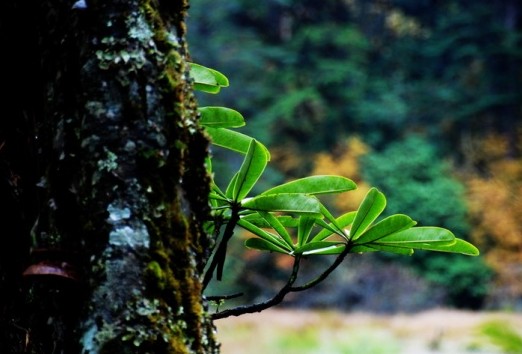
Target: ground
[329, 332]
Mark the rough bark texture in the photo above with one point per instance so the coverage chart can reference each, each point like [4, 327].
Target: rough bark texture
[109, 135]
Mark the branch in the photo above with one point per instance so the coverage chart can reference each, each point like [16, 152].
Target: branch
[241, 310]
[223, 297]
[324, 274]
[219, 256]
[288, 288]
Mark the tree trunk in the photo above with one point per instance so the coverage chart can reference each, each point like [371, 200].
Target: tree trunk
[102, 177]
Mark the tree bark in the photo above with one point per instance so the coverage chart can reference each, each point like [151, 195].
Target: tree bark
[115, 189]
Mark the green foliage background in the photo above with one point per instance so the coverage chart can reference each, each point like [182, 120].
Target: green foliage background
[414, 79]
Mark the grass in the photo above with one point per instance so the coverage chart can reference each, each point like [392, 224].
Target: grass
[314, 340]
[503, 336]
[327, 332]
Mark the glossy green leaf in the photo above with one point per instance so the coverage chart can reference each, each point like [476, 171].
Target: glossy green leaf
[384, 248]
[306, 223]
[213, 89]
[342, 222]
[232, 140]
[207, 79]
[202, 75]
[214, 188]
[315, 185]
[220, 117]
[251, 169]
[454, 246]
[428, 246]
[332, 250]
[321, 247]
[264, 245]
[229, 192]
[460, 246]
[291, 203]
[259, 221]
[419, 236]
[371, 207]
[267, 236]
[386, 227]
[328, 228]
[333, 222]
[277, 226]
[214, 203]
[422, 238]
[216, 196]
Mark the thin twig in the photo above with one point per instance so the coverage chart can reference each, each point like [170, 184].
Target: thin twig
[223, 297]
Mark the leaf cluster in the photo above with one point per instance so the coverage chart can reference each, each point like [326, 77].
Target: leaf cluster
[290, 218]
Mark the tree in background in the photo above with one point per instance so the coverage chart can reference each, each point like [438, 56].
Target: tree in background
[495, 209]
[418, 182]
[442, 69]
[385, 68]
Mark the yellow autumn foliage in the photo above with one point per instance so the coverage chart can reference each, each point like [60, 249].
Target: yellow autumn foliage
[495, 205]
[344, 161]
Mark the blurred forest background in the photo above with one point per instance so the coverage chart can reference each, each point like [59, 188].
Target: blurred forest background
[420, 98]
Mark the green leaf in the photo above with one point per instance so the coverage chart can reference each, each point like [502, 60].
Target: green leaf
[264, 245]
[216, 196]
[221, 117]
[328, 229]
[251, 169]
[460, 246]
[232, 140]
[386, 227]
[338, 249]
[259, 221]
[306, 223]
[333, 222]
[423, 238]
[416, 237]
[321, 247]
[278, 227]
[315, 185]
[202, 75]
[214, 188]
[452, 246]
[384, 248]
[229, 192]
[291, 203]
[206, 79]
[370, 208]
[341, 222]
[221, 79]
[267, 236]
[213, 89]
